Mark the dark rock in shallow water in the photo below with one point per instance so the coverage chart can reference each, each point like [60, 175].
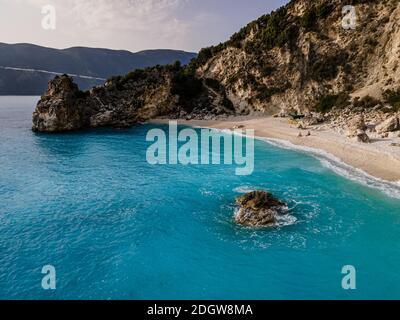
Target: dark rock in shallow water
[258, 209]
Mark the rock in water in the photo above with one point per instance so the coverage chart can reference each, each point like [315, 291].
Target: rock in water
[60, 108]
[258, 209]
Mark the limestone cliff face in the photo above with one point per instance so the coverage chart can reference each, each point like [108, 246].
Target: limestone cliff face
[301, 53]
[61, 108]
[298, 58]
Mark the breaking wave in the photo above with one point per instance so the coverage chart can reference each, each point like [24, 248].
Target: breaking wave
[392, 189]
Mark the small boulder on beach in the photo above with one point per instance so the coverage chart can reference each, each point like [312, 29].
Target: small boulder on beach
[355, 125]
[362, 137]
[258, 209]
[389, 125]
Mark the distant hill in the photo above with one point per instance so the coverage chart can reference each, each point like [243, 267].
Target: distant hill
[25, 69]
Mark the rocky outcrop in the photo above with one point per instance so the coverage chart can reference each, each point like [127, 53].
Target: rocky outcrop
[356, 127]
[119, 103]
[389, 125]
[258, 209]
[61, 108]
[125, 101]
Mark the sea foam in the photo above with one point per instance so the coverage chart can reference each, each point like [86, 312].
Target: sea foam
[328, 160]
[392, 189]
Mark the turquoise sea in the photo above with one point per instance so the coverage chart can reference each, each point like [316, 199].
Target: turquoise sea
[115, 227]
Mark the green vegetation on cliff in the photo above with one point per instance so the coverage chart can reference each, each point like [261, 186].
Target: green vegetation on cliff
[326, 103]
[276, 29]
[393, 98]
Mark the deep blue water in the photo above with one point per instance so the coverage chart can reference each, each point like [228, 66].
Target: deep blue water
[115, 227]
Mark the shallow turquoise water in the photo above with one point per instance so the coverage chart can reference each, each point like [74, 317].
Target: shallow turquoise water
[115, 227]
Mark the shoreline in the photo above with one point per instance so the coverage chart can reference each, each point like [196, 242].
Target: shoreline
[378, 159]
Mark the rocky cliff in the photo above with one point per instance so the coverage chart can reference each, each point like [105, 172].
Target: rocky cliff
[299, 58]
[119, 103]
[299, 55]
[124, 101]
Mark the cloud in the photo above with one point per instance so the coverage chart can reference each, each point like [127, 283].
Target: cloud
[129, 24]
[122, 14]
[142, 21]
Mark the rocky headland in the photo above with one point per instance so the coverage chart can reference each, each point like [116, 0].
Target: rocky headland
[125, 101]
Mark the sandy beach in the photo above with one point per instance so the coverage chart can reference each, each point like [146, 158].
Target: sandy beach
[377, 158]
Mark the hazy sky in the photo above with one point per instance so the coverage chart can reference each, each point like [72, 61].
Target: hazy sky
[129, 24]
